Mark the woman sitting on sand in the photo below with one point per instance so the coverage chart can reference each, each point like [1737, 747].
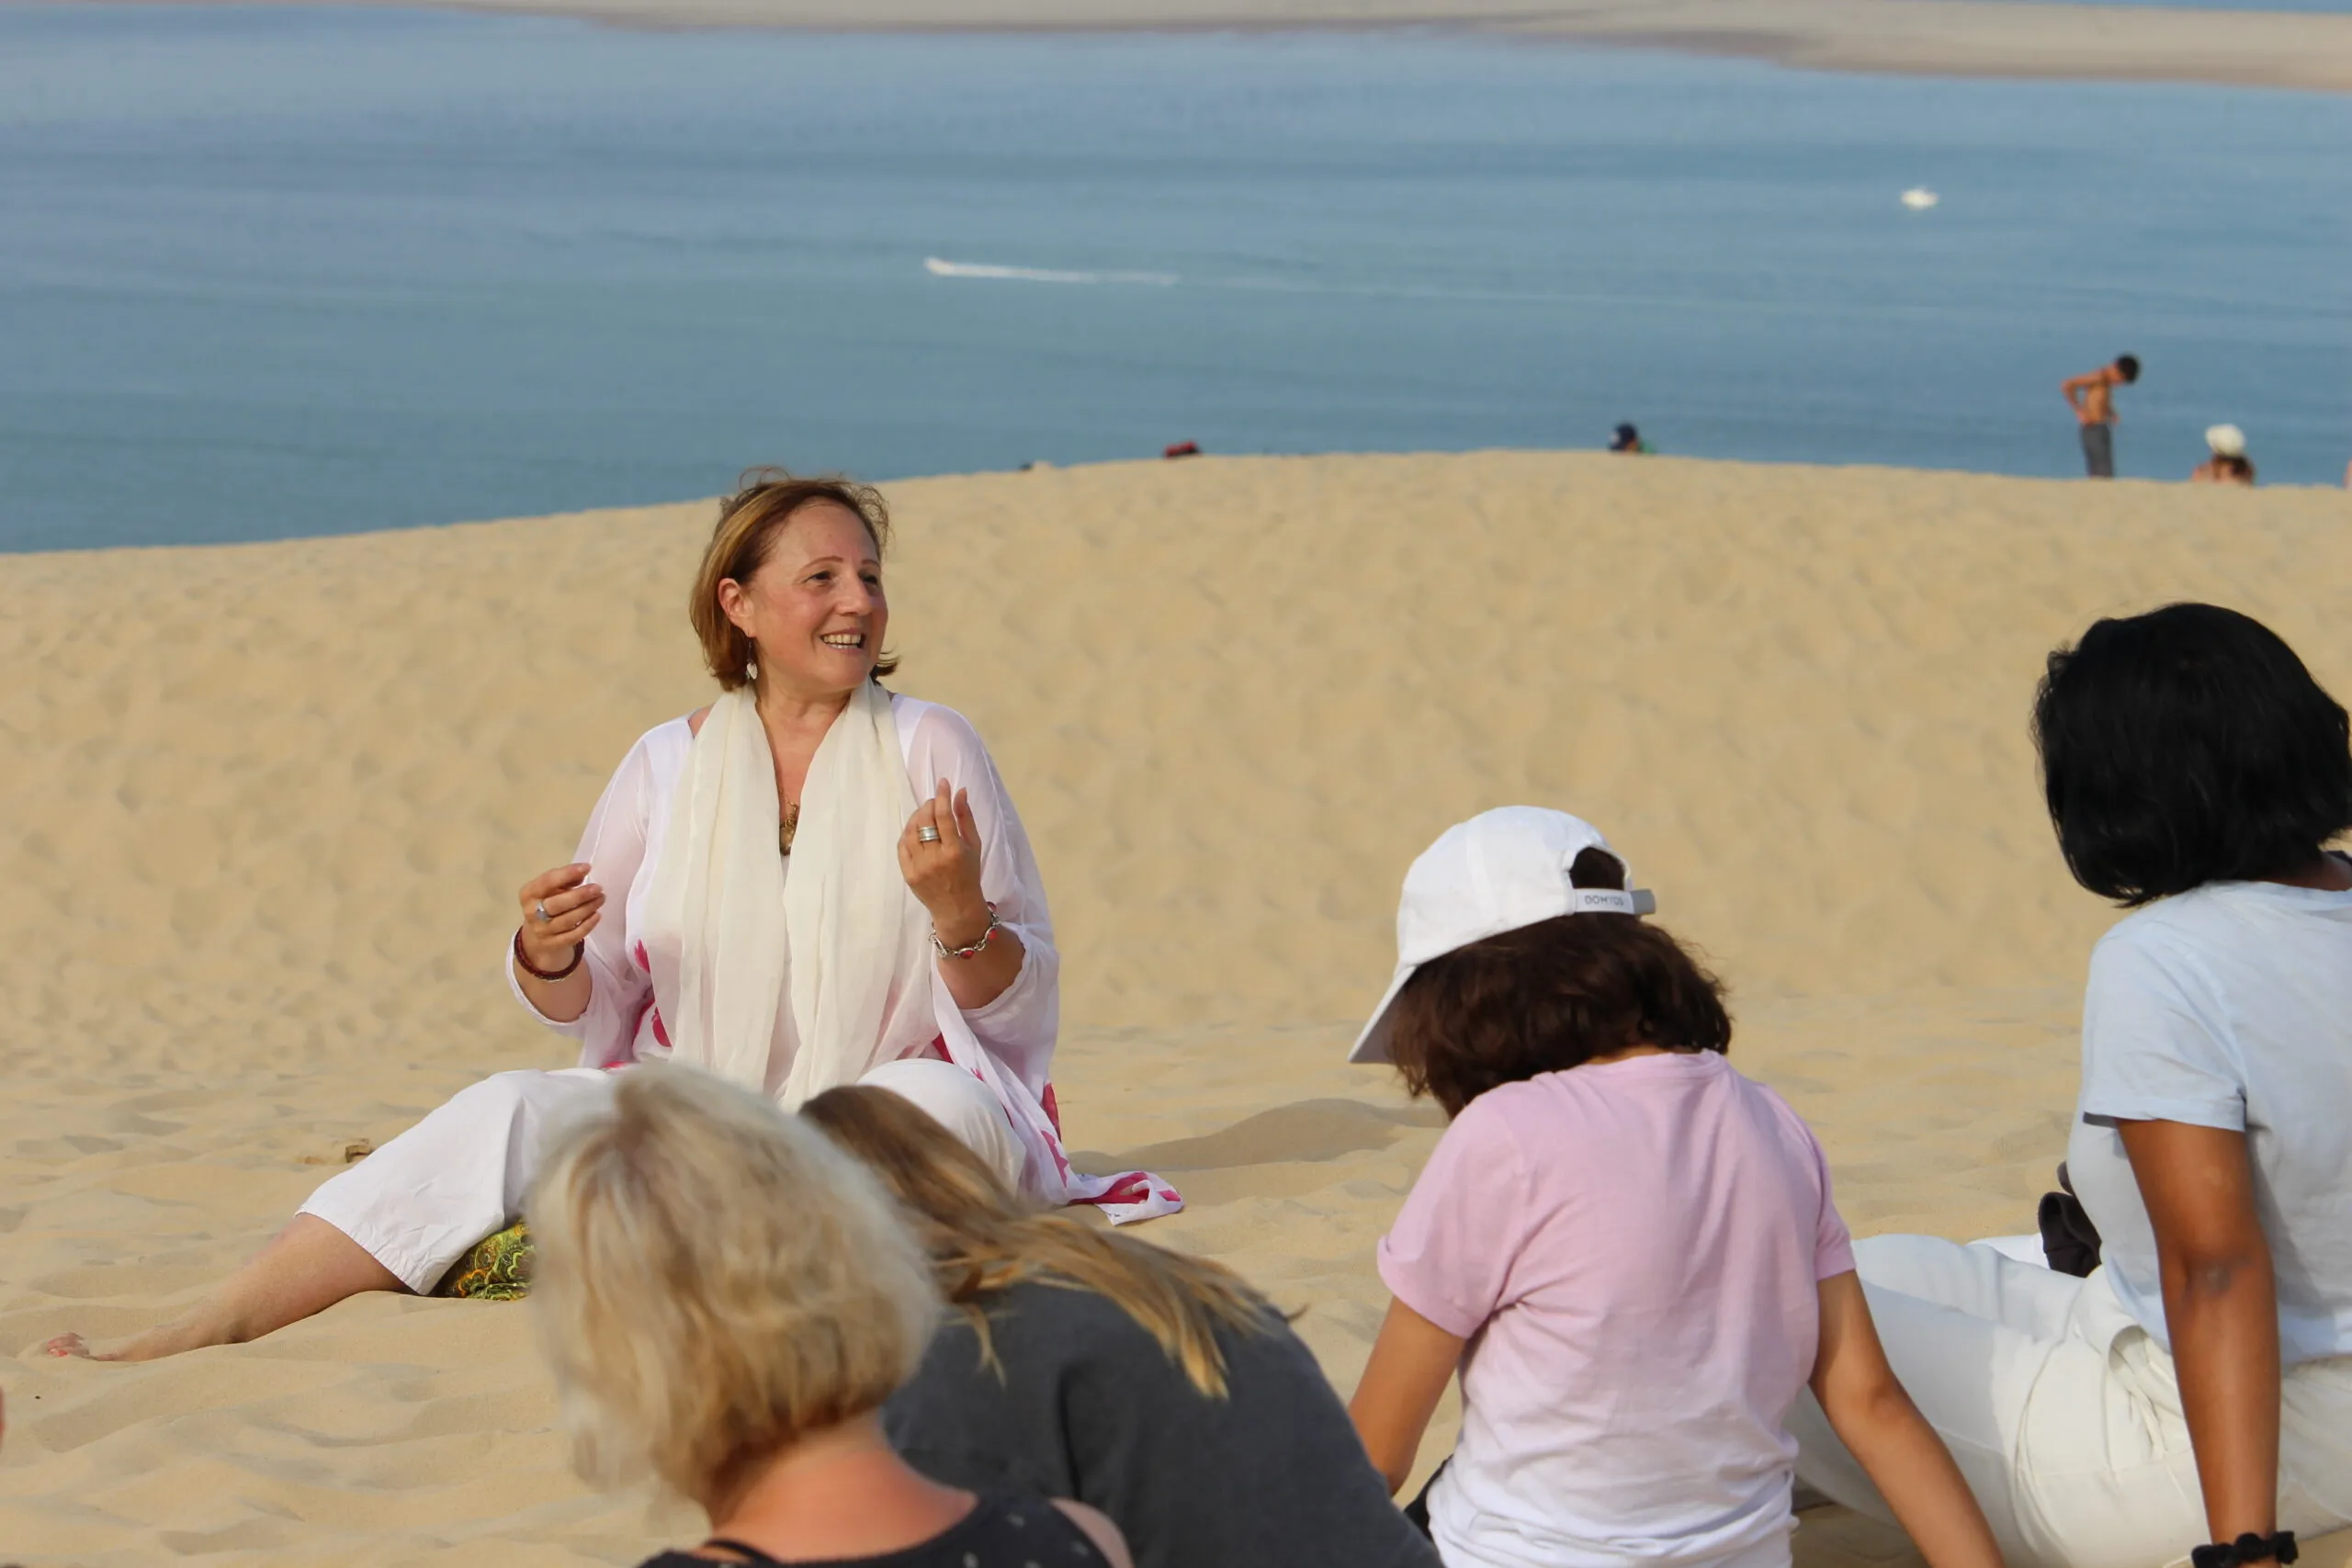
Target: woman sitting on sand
[2194, 771]
[1156, 1387]
[812, 882]
[1627, 1249]
[2228, 463]
[726, 1301]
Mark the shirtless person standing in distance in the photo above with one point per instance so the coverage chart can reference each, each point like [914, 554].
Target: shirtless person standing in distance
[2092, 398]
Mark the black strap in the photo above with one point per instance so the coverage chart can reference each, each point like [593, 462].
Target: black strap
[753, 1557]
[2249, 1548]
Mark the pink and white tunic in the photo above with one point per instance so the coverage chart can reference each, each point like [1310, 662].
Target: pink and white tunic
[1008, 1045]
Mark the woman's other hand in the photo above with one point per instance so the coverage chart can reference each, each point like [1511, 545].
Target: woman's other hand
[560, 908]
[944, 874]
[943, 871]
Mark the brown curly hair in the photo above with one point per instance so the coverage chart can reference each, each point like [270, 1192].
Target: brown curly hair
[749, 522]
[1552, 996]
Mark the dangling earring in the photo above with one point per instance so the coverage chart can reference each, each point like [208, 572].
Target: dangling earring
[751, 669]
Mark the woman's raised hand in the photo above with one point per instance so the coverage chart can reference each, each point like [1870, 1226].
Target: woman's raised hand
[560, 908]
[940, 855]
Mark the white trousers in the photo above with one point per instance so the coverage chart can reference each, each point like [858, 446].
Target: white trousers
[2062, 1412]
[421, 1201]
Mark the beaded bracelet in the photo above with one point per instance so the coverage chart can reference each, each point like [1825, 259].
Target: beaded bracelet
[972, 949]
[2249, 1548]
[579, 952]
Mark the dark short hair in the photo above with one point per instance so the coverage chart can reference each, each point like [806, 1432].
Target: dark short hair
[2129, 365]
[1549, 996]
[2186, 746]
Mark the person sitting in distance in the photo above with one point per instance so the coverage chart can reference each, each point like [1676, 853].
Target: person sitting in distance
[1626, 1249]
[726, 1299]
[2228, 463]
[1626, 438]
[1158, 1388]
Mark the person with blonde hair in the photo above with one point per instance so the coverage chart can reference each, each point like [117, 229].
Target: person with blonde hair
[813, 881]
[726, 1301]
[1080, 1363]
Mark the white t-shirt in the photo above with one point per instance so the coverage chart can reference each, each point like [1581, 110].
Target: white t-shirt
[2230, 1007]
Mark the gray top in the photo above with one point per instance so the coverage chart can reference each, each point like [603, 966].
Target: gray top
[1087, 1405]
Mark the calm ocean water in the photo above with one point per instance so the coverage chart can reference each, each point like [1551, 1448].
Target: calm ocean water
[273, 271]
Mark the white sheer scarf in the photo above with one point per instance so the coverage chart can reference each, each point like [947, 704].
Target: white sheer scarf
[815, 961]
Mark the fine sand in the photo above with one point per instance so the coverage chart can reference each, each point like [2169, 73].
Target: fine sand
[267, 804]
[1957, 38]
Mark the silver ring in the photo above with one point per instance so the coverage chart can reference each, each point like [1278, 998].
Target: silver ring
[926, 834]
[540, 909]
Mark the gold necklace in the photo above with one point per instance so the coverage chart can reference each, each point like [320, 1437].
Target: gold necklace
[789, 826]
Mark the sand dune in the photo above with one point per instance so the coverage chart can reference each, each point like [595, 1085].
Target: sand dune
[1955, 38]
[269, 803]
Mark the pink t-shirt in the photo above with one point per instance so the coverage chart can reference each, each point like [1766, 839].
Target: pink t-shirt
[1633, 1251]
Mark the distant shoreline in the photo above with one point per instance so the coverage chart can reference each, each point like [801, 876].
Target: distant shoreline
[2017, 38]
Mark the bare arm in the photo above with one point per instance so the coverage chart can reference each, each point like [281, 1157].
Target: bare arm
[1410, 1362]
[1875, 1418]
[2222, 1306]
[2074, 388]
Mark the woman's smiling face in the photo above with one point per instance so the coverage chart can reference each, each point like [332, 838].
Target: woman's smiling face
[814, 607]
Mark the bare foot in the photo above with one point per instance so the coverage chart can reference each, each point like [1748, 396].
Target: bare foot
[74, 1345]
[168, 1339]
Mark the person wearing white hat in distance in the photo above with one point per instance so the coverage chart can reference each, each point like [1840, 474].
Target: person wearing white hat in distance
[2228, 463]
[1627, 1249]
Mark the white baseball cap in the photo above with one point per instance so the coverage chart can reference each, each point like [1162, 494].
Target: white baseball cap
[2225, 441]
[1501, 870]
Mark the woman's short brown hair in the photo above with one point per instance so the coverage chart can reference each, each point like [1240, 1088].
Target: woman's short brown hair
[1551, 995]
[749, 522]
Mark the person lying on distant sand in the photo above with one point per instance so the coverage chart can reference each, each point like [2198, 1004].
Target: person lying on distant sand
[2193, 1394]
[1627, 1251]
[812, 882]
[1158, 1388]
[2228, 463]
[726, 1299]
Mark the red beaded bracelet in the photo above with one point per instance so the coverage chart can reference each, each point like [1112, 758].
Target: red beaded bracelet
[579, 952]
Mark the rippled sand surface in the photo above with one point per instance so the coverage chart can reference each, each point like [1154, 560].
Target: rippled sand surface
[267, 804]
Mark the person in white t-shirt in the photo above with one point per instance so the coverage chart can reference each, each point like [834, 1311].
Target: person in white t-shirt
[2197, 1387]
[1627, 1251]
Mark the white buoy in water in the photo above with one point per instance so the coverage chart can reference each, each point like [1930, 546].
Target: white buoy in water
[1918, 198]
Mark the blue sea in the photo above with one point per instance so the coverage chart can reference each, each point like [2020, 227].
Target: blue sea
[270, 271]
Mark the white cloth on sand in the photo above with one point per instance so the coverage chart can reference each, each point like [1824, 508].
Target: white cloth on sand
[421, 1201]
[2063, 1411]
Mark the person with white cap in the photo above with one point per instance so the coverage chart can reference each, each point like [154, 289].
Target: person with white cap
[2229, 465]
[1627, 1249]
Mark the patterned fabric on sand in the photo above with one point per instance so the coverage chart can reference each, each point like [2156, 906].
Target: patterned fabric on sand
[495, 1268]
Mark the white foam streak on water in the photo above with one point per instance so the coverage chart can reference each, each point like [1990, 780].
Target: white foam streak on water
[938, 268]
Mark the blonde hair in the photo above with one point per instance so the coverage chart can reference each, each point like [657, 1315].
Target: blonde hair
[749, 522]
[715, 1281]
[982, 1238]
